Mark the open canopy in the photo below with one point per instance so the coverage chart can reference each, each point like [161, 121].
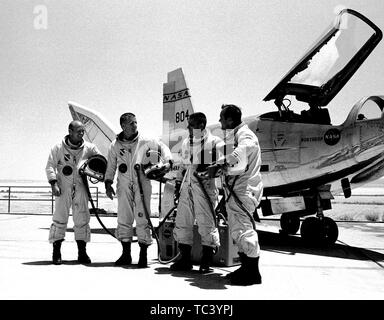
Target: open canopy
[330, 62]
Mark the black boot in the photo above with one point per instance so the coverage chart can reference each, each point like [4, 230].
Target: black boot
[143, 256]
[125, 259]
[184, 263]
[206, 259]
[249, 274]
[82, 252]
[56, 255]
[242, 257]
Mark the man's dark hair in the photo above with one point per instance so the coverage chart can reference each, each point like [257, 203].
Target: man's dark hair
[231, 111]
[124, 117]
[198, 117]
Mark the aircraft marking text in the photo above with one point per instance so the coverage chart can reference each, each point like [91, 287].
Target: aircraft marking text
[172, 97]
[332, 137]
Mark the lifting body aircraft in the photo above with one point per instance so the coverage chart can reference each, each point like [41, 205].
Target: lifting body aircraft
[305, 159]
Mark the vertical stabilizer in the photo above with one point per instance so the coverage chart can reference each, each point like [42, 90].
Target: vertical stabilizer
[177, 107]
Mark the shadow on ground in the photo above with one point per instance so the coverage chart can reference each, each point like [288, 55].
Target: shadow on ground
[49, 262]
[213, 281]
[293, 244]
[288, 244]
[74, 262]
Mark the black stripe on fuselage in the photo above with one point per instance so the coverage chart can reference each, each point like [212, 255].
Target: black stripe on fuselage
[298, 186]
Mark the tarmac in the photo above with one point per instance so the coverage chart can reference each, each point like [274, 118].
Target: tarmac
[352, 269]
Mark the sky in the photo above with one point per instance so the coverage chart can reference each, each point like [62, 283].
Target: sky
[113, 57]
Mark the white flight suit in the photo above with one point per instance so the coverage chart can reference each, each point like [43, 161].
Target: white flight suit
[63, 165]
[193, 203]
[243, 145]
[122, 156]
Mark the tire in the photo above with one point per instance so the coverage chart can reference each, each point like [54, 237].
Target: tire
[290, 223]
[329, 232]
[311, 230]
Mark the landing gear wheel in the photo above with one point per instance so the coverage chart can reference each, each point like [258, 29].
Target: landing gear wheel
[290, 223]
[329, 231]
[311, 230]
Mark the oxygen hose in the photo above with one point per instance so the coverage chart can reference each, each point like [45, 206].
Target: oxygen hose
[137, 167]
[212, 209]
[85, 181]
[238, 202]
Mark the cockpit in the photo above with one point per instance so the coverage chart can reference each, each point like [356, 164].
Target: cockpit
[313, 115]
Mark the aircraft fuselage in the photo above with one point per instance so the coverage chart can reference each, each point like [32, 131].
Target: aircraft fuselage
[297, 156]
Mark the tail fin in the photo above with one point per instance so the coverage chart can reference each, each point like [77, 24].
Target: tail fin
[177, 107]
[97, 129]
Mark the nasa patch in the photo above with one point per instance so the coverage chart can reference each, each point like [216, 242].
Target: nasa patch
[332, 136]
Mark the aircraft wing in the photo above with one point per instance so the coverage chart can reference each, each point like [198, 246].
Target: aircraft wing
[97, 129]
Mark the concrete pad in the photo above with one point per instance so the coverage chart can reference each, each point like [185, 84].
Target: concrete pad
[352, 269]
